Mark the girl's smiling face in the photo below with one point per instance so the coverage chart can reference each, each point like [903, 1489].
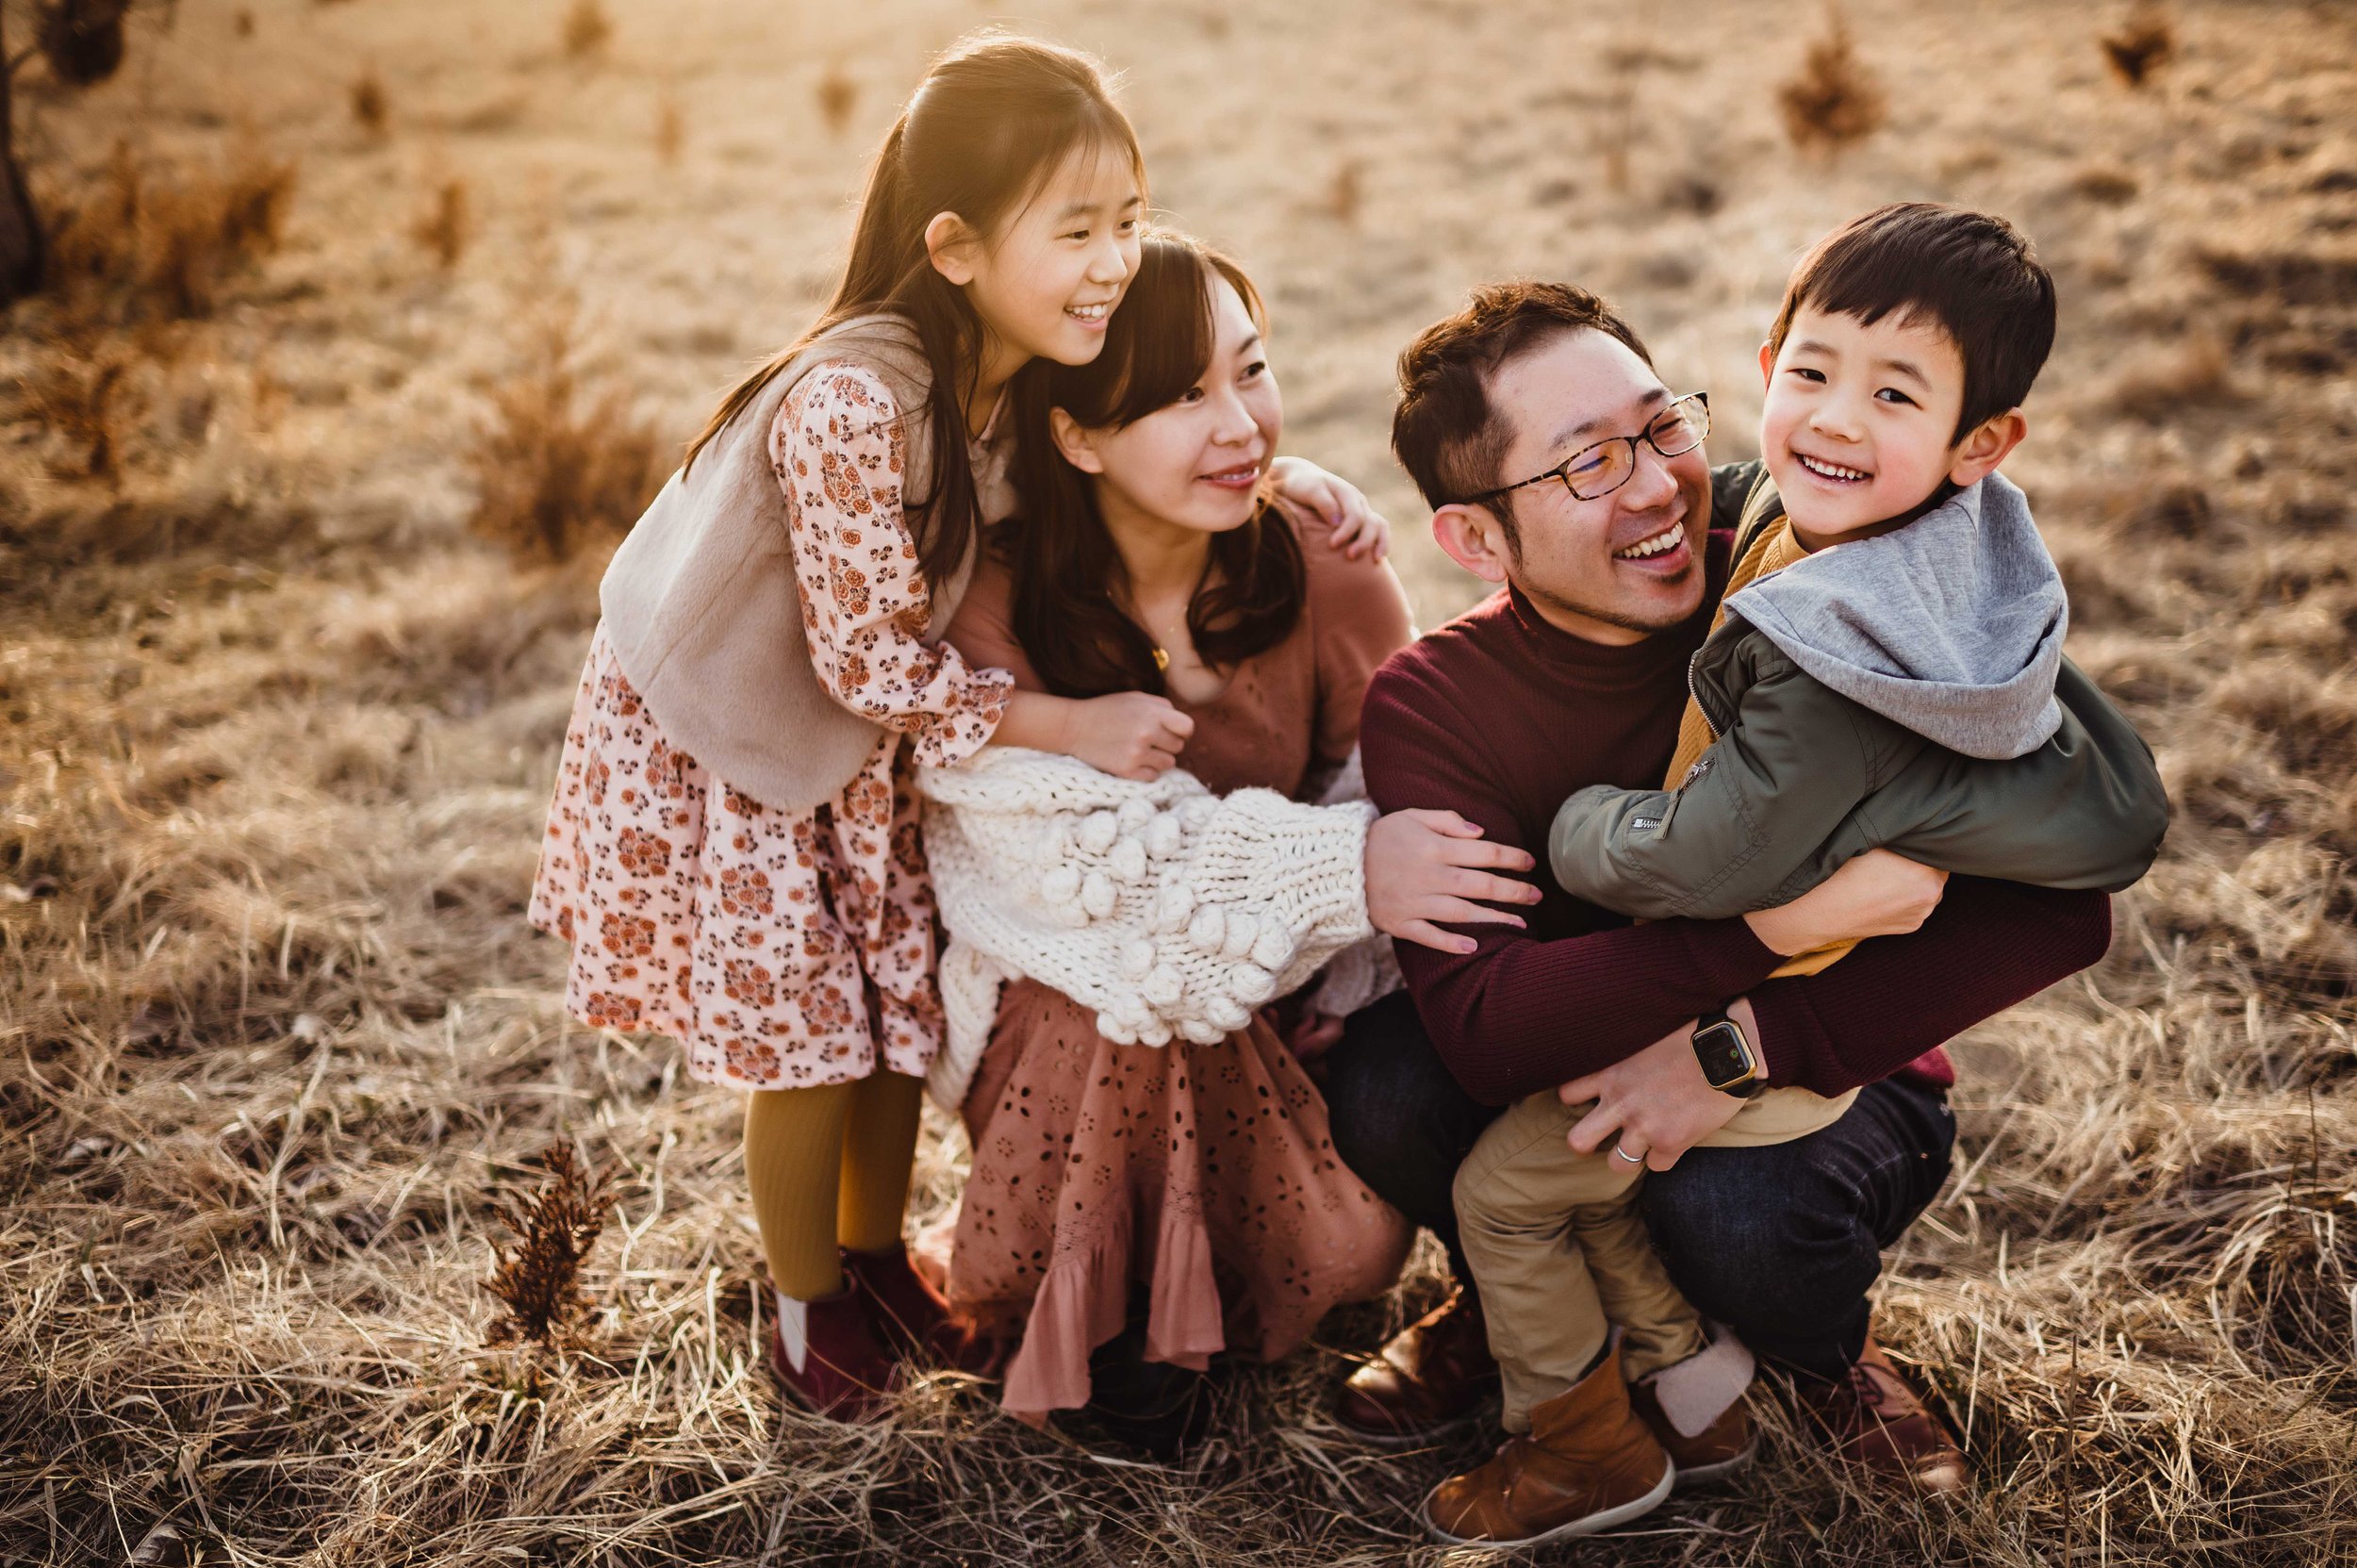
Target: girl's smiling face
[1859, 424]
[1195, 463]
[1047, 281]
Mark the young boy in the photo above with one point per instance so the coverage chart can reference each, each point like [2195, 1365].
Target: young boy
[1886, 670]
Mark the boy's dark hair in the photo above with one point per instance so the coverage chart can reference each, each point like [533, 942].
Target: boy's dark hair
[1973, 275]
[1444, 431]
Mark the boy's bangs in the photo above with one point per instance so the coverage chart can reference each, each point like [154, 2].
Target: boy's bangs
[1870, 288]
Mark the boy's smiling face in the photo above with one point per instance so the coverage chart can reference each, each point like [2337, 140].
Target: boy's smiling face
[1859, 426]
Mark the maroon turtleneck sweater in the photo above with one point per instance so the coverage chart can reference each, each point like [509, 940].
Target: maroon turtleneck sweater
[1499, 716]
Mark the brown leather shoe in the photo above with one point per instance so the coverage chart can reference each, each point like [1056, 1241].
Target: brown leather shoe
[1426, 1381]
[912, 1317]
[1873, 1417]
[1723, 1448]
[1587, 1465]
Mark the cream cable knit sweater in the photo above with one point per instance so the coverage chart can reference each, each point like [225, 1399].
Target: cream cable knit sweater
[1168, 910]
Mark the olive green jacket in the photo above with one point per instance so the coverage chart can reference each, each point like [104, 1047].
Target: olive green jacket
[1802, 779]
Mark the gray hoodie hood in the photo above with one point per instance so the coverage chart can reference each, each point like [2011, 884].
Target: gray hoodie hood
[1951, 626]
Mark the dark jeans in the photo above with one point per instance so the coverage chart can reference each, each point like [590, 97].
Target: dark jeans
[1783, 1242]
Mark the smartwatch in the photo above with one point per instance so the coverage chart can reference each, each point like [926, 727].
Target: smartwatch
[1729, 1062]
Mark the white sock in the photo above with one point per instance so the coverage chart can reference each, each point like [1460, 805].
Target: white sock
[1697, 1390]
[794, 1330]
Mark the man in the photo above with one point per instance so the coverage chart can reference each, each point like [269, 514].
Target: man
[1573, 676]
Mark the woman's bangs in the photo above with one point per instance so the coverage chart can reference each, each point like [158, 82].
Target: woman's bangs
[1160, 341]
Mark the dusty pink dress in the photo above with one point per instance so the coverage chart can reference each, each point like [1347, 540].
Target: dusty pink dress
[784, 949]
[1202, 1173]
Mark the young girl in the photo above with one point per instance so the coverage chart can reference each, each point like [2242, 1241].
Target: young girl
[734, 849]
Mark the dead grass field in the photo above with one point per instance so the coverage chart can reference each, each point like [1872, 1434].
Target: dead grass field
[280, 728]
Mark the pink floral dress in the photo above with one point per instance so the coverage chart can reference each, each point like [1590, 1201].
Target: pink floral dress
[784, 949]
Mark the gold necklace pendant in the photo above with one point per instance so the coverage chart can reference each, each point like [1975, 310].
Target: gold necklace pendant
[1162, 660]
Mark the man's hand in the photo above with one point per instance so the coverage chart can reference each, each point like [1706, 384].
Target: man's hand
[1425, 870]
[1657, 1103]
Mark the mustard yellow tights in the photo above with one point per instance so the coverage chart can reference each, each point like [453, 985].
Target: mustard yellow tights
[829, 1168]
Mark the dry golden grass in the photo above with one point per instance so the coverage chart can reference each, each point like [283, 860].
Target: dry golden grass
[1346, 192]
[134, 245]
[79, 393]
[2144, 43]
[370, 109]
[447, 224]
[275, 1045]
[2168, 380]
[670, 130]
[1835, 99]
[588, 30]
[560, 467]
[838, 95]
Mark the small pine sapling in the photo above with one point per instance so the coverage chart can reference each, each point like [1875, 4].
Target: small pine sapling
[538, 1280]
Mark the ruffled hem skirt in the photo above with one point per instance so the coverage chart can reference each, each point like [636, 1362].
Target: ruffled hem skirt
[1201, 1177]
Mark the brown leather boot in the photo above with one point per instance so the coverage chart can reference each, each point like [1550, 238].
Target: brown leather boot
[1695, 1407]
[1427, 1380]
[1588, 1464]
[1873, 1417]
[827, 1357]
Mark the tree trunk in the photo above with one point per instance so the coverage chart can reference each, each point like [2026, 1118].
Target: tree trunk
[24, 255]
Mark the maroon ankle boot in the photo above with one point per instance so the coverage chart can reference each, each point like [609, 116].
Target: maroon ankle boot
[827, 1358]
[911, 1315]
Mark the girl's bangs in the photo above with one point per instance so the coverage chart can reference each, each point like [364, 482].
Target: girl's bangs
[1081, 143]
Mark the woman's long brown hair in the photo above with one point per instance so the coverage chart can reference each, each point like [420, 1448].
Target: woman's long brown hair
[992, 122]
[1068, 576]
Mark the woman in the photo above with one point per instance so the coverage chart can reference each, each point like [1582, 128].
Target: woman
[1194, 1177]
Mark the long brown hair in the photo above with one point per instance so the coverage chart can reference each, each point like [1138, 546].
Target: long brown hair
[991, 122]
[1065, 568]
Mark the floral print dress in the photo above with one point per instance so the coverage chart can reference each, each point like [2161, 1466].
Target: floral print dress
[784, 949]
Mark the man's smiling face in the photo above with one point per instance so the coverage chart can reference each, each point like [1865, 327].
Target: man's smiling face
[1626, 565]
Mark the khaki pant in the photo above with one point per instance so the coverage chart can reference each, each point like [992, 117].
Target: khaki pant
[1560, 1252]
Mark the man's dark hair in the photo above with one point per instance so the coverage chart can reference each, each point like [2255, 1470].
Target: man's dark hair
[1444, 431]
[1971, 274]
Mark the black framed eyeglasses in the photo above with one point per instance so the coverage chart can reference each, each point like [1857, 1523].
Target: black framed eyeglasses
[1598, 471]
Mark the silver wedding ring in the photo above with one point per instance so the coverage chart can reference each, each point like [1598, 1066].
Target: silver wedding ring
[1631, 1159]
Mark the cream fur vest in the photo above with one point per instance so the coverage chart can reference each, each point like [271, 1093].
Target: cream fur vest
[701, 604]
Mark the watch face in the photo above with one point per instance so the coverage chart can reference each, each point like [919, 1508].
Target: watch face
[1724, 1054]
